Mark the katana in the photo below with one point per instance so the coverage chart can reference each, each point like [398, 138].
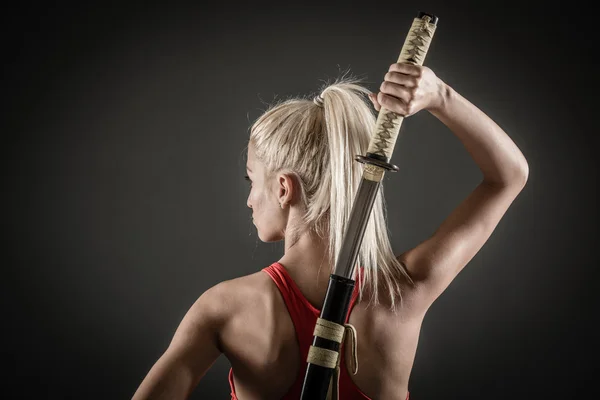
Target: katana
[323, 356]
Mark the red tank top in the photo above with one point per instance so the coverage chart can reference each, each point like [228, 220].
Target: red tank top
[304, 316]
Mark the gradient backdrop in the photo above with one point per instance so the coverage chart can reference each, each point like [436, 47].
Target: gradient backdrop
[124, 129]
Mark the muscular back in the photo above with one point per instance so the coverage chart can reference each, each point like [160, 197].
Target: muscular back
[261, 344]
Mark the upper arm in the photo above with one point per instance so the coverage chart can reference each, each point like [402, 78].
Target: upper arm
[192, 351]
[435, 262]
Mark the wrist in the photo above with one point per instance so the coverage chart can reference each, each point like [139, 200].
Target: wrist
[442, 98]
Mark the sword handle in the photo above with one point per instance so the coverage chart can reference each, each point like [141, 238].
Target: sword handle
[388, 123]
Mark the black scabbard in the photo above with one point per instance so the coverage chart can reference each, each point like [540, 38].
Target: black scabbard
[337, 300]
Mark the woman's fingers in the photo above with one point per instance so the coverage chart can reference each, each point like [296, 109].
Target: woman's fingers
[407, 88]
[404, 93]
[390, 102]
[408, 69]
[402, 79]
[373, 98]
[394, 104]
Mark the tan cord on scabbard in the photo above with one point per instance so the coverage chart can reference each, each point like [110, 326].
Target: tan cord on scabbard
[329, 358]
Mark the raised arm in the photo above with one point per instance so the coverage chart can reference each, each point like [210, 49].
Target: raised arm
[435, 262]
[192, 351]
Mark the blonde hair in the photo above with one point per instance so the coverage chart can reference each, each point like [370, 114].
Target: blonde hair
[316, 141]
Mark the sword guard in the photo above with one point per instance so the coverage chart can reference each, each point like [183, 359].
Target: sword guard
[376, 162]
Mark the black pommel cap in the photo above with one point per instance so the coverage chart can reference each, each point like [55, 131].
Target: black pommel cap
[434, 19]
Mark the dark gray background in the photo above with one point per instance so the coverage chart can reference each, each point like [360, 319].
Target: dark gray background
[124, 200]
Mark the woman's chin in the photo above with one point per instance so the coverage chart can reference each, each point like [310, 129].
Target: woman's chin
[268, 238]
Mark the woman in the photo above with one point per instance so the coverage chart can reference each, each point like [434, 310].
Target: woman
[303, 181]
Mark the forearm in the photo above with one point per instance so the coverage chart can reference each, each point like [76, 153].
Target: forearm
[496, 155]
[164, 381]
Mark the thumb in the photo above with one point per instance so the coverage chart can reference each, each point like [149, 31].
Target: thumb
[373, 98]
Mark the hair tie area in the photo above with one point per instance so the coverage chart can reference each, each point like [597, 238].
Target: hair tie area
[318, 100]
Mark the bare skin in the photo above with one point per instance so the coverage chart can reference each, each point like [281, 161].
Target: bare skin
[246, 318]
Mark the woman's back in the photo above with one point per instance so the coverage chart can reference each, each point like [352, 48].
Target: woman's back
[302, 176]
[267, 339]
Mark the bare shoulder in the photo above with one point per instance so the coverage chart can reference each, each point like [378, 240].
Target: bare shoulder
[248, 286]
[233, 295]
[240, 294]
[206, 330]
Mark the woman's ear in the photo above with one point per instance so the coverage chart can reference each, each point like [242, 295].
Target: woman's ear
[287, 188]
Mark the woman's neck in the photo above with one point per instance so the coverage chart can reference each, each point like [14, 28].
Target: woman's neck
[307, 262]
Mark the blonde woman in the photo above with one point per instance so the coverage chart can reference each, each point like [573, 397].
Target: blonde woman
[303, 178]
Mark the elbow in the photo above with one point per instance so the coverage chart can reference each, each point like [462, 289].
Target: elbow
[519, 177]
[526, 175]
[523, 174]
[520, 171]
[514, 177]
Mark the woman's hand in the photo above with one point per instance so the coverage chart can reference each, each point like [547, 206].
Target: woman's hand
[408, 88]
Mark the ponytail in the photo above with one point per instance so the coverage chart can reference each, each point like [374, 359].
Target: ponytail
[317, 140]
